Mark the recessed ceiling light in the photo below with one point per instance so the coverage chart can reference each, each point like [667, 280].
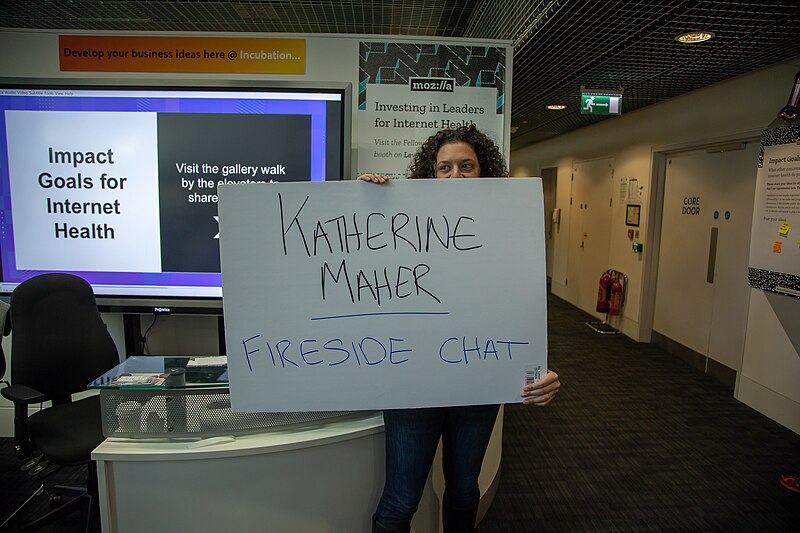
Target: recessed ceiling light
[694, 37]
[556, 107]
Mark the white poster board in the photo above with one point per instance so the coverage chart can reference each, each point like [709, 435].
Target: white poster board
[352, 295]
[775, 238]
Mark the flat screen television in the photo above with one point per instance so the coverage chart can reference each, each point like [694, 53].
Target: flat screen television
[117, 183]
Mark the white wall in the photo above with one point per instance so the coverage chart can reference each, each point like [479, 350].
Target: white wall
[770, 372]
[736, 109]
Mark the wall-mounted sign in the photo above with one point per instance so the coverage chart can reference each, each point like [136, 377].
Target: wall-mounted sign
[632, 215]
[774, 243]
[409, 91]
[593, 103]
[134, 53]
[691, 205]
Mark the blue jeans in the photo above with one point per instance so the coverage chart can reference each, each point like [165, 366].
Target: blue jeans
[412, 436]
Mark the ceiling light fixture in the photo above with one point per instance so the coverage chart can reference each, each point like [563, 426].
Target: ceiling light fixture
[691, 37]
[556, 107]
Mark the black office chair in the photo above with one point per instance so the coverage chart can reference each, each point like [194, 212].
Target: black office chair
[59, 345]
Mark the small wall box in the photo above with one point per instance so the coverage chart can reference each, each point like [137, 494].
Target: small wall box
[632, 215]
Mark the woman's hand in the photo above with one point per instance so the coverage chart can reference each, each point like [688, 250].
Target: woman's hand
[375, 178]
[541, 392]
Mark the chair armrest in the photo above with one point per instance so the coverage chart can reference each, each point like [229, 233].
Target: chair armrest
[22, 394]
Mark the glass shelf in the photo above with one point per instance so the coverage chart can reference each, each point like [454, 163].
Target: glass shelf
[153, 372]
[178, 397]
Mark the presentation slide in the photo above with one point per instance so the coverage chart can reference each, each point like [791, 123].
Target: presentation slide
[193, 161]
[119, 184]
[82, 186]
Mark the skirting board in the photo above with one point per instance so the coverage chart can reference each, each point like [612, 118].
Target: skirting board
[768, 402]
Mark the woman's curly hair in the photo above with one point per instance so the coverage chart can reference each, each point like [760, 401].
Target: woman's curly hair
[489, 157]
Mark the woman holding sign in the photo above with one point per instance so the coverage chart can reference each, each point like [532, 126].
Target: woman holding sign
[412, 435]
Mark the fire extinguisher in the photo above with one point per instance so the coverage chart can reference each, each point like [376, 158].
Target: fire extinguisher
[603, 292]
[616, 297]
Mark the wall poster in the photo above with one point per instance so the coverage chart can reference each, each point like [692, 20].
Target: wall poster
[408, 91]
[775, 239]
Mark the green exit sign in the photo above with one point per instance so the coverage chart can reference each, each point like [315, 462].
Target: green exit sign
[601, 104]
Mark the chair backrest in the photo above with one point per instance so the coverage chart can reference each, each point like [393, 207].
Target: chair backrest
[60, 342]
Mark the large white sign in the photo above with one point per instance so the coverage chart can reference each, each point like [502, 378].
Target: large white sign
[351, 295]
[775, 239]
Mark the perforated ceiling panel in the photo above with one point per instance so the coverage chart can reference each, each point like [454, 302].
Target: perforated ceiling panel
[559, 45]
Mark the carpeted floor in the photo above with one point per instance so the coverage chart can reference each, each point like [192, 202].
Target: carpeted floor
[17, 486]
[637, 440]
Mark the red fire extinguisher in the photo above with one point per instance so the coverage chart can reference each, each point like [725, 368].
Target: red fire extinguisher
[616, 297]
[603, 292]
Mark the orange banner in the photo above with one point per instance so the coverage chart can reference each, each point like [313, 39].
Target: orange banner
[108, 53]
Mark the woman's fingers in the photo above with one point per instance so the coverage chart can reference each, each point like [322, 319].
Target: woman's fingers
[375, 178]
[543, 391]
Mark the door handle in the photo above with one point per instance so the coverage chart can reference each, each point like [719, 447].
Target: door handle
[712, 255]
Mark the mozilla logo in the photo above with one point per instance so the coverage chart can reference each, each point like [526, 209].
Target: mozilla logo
[438, 85]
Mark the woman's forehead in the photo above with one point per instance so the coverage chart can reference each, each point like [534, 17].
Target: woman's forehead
[459, 150]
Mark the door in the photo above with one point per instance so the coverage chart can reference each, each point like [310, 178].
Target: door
[590, 230]
[549, 178]
[702, 292]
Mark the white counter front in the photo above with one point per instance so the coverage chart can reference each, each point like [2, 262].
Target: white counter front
[320, 478]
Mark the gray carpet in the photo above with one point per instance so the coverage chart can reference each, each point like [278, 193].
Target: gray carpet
[17, 486]
[637, 440]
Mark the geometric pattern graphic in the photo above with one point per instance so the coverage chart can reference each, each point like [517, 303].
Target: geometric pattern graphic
[777, 136]
[780, 282]
[395, 63]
